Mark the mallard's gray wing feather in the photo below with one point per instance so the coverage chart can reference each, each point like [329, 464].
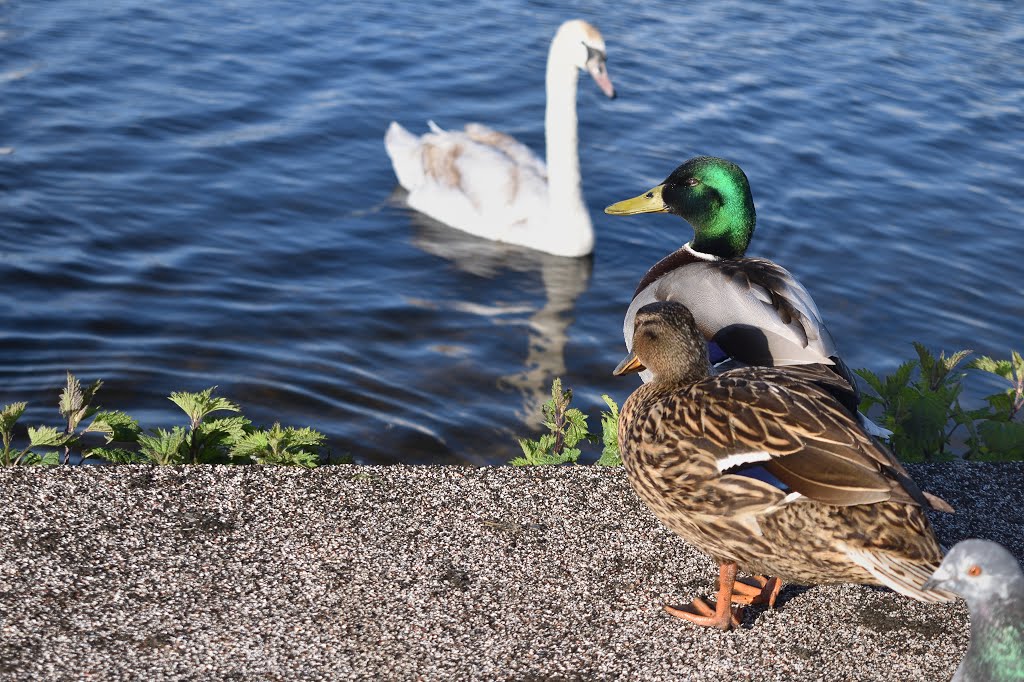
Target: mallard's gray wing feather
[754, 309]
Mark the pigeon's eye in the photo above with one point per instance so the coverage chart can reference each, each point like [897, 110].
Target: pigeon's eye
[974, 571]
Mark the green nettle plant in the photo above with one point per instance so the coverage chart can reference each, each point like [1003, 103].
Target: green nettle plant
[280, 446]
[995, 432]
[8, 418]
[920, 403]
[567, 428]
[206, 439]
[610, 435]
[917, 401]
[50, 445]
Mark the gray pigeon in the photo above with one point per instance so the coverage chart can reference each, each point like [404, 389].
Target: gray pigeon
[989, 578]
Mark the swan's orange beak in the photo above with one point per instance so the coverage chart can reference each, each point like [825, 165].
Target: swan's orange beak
[598, 70]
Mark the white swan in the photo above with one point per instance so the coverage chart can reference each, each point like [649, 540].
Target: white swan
[486, 183]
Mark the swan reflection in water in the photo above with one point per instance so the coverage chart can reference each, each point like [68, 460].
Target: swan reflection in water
[547, 327]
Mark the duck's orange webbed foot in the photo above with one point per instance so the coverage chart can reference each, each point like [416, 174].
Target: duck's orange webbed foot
[703, 614]
[723, 616]
[756, 590]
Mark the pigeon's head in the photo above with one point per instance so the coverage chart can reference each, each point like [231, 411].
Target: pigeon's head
[978, 570]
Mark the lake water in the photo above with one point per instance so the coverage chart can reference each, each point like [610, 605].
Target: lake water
[197, 193]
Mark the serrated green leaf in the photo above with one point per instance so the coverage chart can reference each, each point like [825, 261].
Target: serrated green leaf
[277, 445]
[900, 378]
[569, 455]
[925, 357]
[610, 456]
[538, 452]
[922, 429]
[71, 398]
[115, 426]
[75, 404]
[46, 436]
[560, 398]
[965, 416]
[575, 427]
[1004, 440]
[117, 455]
[935, 370]
[198, 406]
[528, 447]
[226, 431]
[610, 434]
[10, 415]
[164, 447]
[1001, 404]
[871, 378]
[250, 444]
[992, 366]
[49, 458]
[924, 413]
[299, 458]
[956, 358]
[532, 453]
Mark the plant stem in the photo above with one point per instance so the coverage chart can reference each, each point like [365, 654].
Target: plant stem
[194, 442]
[559, 428]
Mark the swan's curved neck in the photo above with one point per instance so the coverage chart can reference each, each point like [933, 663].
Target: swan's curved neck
[565, 195]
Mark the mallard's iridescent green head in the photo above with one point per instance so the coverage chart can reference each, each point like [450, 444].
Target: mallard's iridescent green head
[711, 194]
[666, 341]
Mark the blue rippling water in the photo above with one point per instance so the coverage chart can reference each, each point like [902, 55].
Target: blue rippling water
[197, 193]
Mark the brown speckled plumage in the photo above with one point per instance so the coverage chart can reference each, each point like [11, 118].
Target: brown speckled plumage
[848, 512]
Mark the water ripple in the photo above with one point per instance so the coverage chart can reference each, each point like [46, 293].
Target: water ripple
[198, 194]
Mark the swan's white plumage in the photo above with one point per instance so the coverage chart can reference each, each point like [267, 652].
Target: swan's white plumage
[486, 183]
[473, 185]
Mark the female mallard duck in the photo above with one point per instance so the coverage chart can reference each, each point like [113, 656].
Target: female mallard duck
[749, 309]
[766, 471]
[486, 183]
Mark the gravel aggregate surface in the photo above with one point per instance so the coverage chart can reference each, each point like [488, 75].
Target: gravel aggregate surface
[426, 573]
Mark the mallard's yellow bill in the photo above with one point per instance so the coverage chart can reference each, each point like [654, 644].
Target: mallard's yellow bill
[630, 363]
[650, 202]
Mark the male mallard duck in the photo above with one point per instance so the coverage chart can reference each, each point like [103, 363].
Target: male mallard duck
[486, 183]
[752, 309]
[991, 580]
[766, 471]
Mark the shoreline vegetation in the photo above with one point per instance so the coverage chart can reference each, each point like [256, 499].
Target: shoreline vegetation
[919, 403]
[209, 437]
